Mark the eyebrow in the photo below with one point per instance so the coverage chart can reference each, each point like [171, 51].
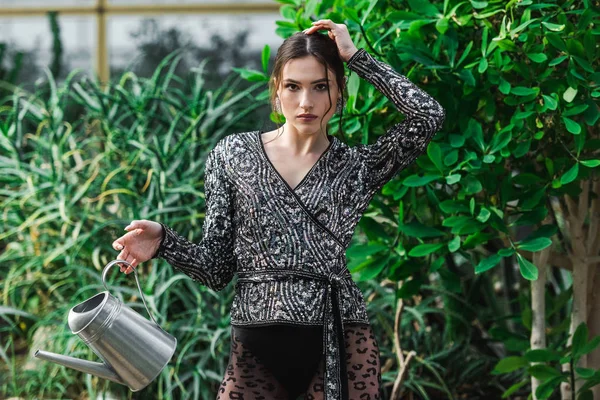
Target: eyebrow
[317, 81]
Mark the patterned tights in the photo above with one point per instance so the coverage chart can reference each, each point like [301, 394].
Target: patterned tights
[247, 378]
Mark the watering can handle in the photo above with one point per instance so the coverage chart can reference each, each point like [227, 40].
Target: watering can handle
[110, 264]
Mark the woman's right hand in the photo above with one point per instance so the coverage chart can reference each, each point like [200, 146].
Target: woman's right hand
[139, 244]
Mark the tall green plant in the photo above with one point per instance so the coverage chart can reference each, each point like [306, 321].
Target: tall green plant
[70, 182]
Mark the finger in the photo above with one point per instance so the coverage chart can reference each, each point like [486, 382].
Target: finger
[130, 268]
[324, 22]
[132, 225]
[311, 29]
[121, 256]
[124, 256]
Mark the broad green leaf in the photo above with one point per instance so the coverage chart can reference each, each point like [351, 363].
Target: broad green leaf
[288, 12]
[535, 244]
[374, 268]
[545, 390]
[483, 65]
[583, 63]
[437, 264]
[585, 372]
[531, 200]
[506, 252]
[484, 215]
[416, 180]
[550, 102]
[579, 341]
[590, 163]
[418, 230]
[476, 132]
[425, 249]
[523, 91]
[537, 57]
[557, 61]
[542, 355]
[575, 110]
[452, 179]
[451, 157]
[572, 126]
[441, 24]
[479, 4]
[528, 270]
[504, 86]
[553, 27]
[499, 141]
[423, 7]
[555, 40]
[570, 175]
[488, 263]
[569, 94]
[591, 345]
[543, 372]
[471, 184]
[514, 388]
[456, 140]
[509, 364]
[435, 155]
[454, 244]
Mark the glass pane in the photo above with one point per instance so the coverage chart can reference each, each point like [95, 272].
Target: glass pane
[138, 2]
[45, 3]
[227, 40]
[32, 38]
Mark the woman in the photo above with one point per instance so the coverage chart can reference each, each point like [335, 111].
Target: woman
[281, 209]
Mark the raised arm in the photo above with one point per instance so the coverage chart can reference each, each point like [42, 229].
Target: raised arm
[211, 261]
[405, 141]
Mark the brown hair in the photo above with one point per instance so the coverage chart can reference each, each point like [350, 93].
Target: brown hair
[323, 49]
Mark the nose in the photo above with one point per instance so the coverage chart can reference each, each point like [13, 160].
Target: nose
[305, 100]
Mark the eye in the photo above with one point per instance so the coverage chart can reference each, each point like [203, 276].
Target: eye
[320, 87]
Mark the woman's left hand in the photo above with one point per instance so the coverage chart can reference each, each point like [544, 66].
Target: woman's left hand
[338, 33]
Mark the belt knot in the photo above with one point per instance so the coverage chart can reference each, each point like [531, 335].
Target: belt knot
[334, 279]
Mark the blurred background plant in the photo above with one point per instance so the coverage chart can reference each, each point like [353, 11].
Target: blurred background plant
[478, 262]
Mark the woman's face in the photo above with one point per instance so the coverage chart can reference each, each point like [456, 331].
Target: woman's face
[304, 90]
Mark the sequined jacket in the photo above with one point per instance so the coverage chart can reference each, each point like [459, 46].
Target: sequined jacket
[287, 245]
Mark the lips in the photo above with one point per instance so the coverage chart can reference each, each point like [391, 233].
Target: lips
[307, 116]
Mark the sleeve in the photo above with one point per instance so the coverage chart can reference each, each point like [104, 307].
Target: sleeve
[405, 141]
[211, 261]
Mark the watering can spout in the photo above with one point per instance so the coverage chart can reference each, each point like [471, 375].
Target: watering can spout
[89, 367]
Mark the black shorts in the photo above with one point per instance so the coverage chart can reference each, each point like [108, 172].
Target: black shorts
[292, 353]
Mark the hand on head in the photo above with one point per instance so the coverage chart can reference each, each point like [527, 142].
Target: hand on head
[338, 33]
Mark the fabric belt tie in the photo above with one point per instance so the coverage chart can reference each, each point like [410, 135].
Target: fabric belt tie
[334, 348]
[336, 377]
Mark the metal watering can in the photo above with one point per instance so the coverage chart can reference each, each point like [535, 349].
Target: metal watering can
[134, 350]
